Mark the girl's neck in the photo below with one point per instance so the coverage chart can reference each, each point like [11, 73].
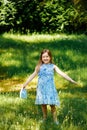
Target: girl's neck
[47, 63]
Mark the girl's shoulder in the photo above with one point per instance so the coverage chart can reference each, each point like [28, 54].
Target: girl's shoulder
[54, 66]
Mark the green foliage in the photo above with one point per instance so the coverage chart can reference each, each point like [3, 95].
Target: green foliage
[23, 114]
[7, 15]
[42, 16]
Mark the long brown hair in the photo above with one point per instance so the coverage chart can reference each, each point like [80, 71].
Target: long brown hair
[40, 62]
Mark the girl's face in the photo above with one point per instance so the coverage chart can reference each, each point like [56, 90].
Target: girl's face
[45, 58]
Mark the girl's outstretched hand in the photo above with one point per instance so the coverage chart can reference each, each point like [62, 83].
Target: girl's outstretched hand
[23, 87]
[78, 84]
[74, 82]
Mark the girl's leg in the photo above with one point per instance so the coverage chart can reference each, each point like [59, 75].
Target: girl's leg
[44, 110]
[54, 113]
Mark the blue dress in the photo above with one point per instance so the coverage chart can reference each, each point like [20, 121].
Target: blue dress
[46, 90]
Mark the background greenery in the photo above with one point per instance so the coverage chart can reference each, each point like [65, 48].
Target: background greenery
[44, 22]
[28, 16]
[18, 57]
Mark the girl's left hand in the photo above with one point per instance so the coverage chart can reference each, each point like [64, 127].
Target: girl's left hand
[74, 82]
[78, 84]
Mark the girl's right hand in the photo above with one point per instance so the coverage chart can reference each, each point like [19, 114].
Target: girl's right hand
[23, 87]
[78, 84]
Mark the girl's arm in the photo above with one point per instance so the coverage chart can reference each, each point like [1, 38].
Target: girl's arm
[30, 78]
[64, 75]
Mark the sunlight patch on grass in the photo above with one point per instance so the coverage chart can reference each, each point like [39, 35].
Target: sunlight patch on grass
[10, 85]
[15, 84]
[11, 98]
[34, 38]
[9, 58]
[75, 57]
[11, 62]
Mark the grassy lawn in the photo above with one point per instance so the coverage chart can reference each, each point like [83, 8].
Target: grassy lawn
[18, 56]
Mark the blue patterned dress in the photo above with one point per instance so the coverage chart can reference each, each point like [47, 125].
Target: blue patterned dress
[46, 90]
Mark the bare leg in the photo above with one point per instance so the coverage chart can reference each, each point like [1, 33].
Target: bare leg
[44, 110]
[54, 113]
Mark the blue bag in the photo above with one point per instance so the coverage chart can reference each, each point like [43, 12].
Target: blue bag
[23, 93]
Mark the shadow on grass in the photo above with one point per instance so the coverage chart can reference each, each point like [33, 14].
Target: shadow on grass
[74, 89]
[18, 57]
[73, 111]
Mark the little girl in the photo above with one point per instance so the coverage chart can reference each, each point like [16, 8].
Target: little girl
[46, 90]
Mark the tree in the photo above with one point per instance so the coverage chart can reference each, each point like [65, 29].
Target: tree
[81, 8]
[51, 16]
[7, 15]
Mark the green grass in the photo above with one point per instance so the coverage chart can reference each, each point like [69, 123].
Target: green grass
[23, 114]
[18, 56]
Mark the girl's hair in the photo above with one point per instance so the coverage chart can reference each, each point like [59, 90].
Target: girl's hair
[40, 62]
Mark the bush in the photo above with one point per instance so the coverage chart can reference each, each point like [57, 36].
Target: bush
[53, 16]
[7, 15]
